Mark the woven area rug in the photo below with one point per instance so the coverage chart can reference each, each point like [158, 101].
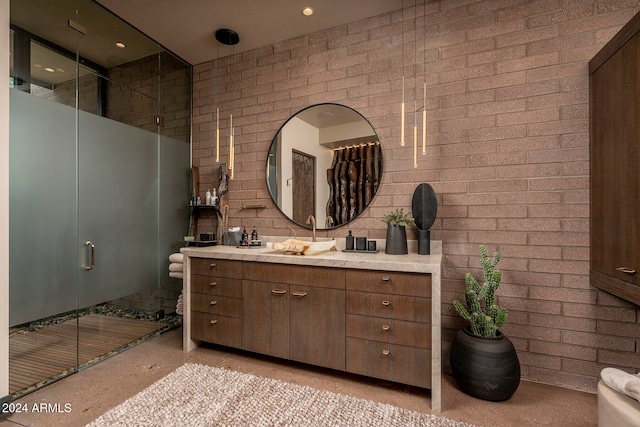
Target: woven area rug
[199, 395]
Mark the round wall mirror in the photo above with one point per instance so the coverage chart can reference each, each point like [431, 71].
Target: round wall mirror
[325, 162]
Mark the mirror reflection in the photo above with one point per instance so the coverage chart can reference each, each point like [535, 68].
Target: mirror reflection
[325, 162]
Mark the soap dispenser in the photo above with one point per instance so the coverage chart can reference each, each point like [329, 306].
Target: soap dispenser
[349, 241]
[244, 239]
[254, 234]
[207, 200]
[214, 198]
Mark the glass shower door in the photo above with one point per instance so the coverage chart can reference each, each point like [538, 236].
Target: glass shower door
[91, 226]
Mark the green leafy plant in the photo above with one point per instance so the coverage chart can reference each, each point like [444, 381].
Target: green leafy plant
[398, 217]
[482, 312]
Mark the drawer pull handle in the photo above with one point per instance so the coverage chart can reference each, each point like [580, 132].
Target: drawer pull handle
[385, 352]
[626, 270]
[299, 294]
[386, 278]
[214, 302]
[386, 303]
[213, 322]
[213, 265]
[278, 291]
[212, 284]
[385, 327]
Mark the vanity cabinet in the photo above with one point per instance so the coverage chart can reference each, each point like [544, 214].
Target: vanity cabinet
[376, 315]
[295, 312]
[388, 316]
[216, 301]
[614, 84]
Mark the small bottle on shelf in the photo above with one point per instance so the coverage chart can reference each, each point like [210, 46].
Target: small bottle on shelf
[244, 239]
[207, 199]
[254, 234]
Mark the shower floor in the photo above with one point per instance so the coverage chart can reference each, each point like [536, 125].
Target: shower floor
[39, 357]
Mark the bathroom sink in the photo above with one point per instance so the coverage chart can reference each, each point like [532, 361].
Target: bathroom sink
[302, 247]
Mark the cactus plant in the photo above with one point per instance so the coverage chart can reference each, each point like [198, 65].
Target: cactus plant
[484, 316]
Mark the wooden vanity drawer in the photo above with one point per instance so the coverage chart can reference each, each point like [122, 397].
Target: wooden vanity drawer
[389, 330]
[216, 267]
[411, 284]
[391, 362]
[324, 277]
[216, 329]
[217, 286]
[216, 304]
[389, 306]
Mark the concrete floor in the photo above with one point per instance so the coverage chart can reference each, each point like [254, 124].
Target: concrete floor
[93, 391]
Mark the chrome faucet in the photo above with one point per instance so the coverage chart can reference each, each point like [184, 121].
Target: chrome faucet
[294, 233]
[311, 220]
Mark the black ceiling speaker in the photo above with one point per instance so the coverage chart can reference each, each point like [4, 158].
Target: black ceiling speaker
[424, 207]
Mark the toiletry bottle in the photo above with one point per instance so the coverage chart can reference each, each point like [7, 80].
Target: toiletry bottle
[350, 241]
[244, 238]
[254, 234]
[207, 200]
[214, 198]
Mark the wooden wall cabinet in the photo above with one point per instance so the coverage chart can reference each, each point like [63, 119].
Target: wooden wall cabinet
[614, 86]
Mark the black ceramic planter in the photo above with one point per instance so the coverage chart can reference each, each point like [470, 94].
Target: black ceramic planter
[396, 240]
[486, 368]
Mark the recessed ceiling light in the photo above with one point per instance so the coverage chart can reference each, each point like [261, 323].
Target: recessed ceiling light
[307, 11]
[121, 45]
[49, 69]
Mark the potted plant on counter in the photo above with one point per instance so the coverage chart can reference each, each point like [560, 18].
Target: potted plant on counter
[396, 221]
[484, 362]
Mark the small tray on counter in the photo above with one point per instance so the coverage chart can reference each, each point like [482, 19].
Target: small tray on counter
[201, 242]
[361, 251]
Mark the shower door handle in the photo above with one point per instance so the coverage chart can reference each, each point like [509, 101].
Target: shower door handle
[93, 255]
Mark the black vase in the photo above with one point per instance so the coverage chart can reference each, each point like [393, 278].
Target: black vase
[396, 240]
[486, 368]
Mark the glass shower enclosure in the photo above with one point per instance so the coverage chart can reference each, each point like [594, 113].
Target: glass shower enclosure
[99, 175]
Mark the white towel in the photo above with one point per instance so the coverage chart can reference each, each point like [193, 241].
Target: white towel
[622, 382]
[175, 266]
[176, 274]
[176, 258]
[632, 388]
[180, 305]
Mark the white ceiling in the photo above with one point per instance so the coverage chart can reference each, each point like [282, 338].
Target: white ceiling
[187, 27]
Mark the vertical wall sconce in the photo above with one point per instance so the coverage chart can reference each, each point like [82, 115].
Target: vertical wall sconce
[416, 109]
[402, 66]
[424, 63]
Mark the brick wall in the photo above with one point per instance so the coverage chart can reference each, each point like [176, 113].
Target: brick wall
[65, 93]
[507, 154]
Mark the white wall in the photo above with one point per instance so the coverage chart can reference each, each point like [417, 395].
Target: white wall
[301, 136]
[4, 199]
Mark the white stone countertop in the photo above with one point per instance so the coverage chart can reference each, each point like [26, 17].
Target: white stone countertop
[411, 262]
